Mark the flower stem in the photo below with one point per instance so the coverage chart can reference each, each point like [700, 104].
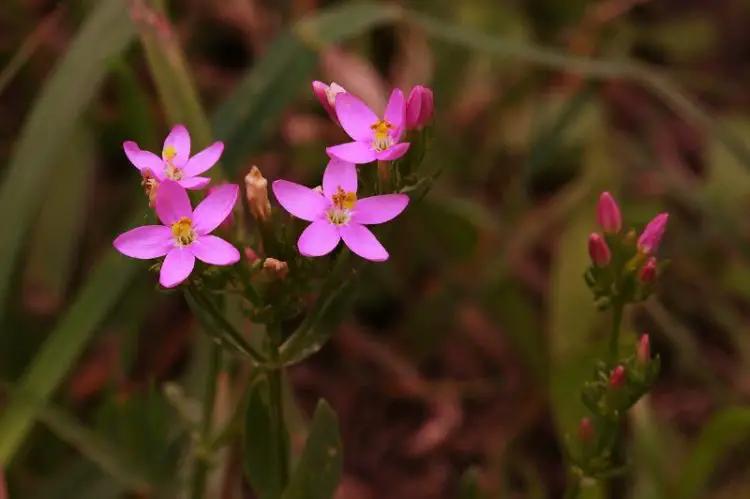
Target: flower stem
[200, 470]
[573, 487]
[384, 176]
[614, 339]
[275, 378]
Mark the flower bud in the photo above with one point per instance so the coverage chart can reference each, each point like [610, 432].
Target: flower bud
[250, 255]
[599, 251]
[419, 107]
[276, 268]
[608, 214]
[256, 192]
[326, 94]
[617, 377]
[649, 241]
[643, 350]
[585, 430]
[648, 271]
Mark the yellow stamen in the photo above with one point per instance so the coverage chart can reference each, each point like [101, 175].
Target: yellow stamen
[344, 200]
[183, 232]
[382, 131]
[169, 153]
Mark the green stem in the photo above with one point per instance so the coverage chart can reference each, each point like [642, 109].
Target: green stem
[573, 487]
[200, 469]
[275, 379]
[614, 339]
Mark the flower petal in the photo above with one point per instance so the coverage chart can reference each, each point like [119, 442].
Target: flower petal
[394, 111]
[379, 209]
[361, 241]
[204, 159]
[339, 174]
[413, 107]
[214, 250]
[358, 153]
[355, 117]
[194, 183]
[149, 241]
[393, 152]
[300, 201]
[176, 267]
[179, 139]
[172, 202]
[215, 208]
[144, 160]
[318, 239]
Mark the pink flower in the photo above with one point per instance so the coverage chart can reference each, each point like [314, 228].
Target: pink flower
[185, 234]
[419, 107]
[326, 94]
[608, 213]
[336, 213]
[649, 241]
[617, 376]
[599, 251]
[648, 271]
[374, 138]
[175, 162]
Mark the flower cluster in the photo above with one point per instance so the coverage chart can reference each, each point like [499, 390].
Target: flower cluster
[185, 234]
[334, 210]
[624, 265]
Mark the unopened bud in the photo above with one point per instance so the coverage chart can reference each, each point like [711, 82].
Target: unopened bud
[650, 239]
[275, 267]
[250, 255]
[326, 94]
[419, 107]
[643, 350]
[256, 192]
[608, 214]
[648, 271]
[599, 251]
[617, 377]
[585, 430]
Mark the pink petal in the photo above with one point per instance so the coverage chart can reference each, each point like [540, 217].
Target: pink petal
[214, 250]
[355, 117]
[394, 111]
[321, 90]
[361, 241]
[318, 239]
[379, 209]
[339, 174]
[172, 202]
[144, 160]
[204, 159]
[354, 152]
[300, 201]
[194, 183]
[179, 138]
[176, 267]
[215, 208]
[413, 107]
[149, 241]
[393, 152]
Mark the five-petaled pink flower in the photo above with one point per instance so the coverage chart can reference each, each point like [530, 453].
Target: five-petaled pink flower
[185, 234]
[374, 138]
[175, 162]
[336, 213]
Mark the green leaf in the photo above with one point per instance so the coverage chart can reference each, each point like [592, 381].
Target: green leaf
[262, 460]
[61, 349]
[55, 237]
[727, 429]
[54, 116]
[319, 468]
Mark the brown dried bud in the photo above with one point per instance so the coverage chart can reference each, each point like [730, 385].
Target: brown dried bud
[256, 192]
[275, 267]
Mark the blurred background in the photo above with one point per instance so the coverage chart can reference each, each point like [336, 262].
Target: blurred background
[456, 370]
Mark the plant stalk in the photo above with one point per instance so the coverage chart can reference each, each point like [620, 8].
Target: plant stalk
[200, 469]
[614, 339]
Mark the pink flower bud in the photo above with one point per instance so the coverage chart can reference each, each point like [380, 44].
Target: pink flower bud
[617, 377]
[419, 107]
[250, 255]
[608, 213]
[326, 94]
[643, 350]
[599, 251]
[649, 241]
[585, 430]
[648, 271]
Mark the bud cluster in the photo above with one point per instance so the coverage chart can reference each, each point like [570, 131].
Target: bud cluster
[624, 266]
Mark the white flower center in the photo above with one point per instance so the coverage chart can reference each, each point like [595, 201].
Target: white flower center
[340, 211]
